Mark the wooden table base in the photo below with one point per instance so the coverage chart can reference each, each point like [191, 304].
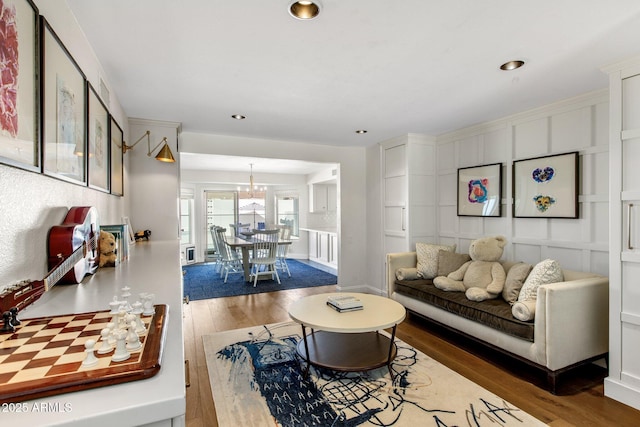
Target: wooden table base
[349, 352]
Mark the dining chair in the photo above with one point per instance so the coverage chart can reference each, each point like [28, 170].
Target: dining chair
[217, 256]
[281, 259]
[230, 261]
[265, 253]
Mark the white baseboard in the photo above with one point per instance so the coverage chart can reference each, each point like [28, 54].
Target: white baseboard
[622, 392]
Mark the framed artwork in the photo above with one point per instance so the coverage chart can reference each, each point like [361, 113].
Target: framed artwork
[19, 100]
[117, 139]
[98, 125]
[63, 111]
[480, 190]
[546, 187]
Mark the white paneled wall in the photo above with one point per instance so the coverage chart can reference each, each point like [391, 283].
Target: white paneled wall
[579, 124]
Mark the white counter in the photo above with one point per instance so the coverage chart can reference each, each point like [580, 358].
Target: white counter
[152, 267]
[331, 230]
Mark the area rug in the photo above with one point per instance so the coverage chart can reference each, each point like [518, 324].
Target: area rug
[258, 380]
[201, 281]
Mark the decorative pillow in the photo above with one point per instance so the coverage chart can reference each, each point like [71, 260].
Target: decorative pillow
[448, 262]
[524, 310]
[428, 258]
[407, 273]
[547, 271]
[516, 276]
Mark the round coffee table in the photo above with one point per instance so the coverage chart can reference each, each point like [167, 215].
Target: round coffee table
[347, 341]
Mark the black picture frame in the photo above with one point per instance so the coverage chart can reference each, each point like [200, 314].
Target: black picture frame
[20, 103]
[546, 187]
[64, 108]
[98, 145]
[116, 137]
[480, 190]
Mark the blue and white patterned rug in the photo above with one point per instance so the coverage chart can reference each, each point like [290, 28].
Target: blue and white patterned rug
[257, 380]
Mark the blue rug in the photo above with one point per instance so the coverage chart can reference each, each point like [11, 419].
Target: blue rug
[201, 281]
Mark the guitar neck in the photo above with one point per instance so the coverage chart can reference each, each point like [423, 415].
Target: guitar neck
[63, 268]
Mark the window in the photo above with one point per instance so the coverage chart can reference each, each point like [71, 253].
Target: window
[186, 231]
[287, 212]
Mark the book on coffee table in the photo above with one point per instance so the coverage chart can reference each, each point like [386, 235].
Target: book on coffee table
[344, 303]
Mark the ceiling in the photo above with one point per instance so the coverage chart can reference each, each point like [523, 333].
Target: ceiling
[390, 67]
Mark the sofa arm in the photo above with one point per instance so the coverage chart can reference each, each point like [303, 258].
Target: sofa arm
[395, 261]
[572, 321]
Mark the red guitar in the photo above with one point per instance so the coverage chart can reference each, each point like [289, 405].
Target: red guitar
[72, 252]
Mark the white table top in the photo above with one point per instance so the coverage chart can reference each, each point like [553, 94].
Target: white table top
[378, 313]
[152, 267]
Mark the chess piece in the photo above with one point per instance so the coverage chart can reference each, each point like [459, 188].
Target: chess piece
[105, 346]
[125, 298]
[115, 309]
[7, 327]
[14, 316]
[149, 309]
[121, 352]
[90, 359]
[112, 334]
[133, 341]
[137, 311]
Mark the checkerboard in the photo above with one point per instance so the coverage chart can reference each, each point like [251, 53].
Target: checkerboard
[44, 356]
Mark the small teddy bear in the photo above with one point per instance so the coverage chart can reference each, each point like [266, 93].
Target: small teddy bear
[107, 249]
[483, 277]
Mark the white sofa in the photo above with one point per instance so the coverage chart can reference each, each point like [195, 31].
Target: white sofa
[570, 325]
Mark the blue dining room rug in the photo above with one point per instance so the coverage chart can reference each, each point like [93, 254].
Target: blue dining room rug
[202, 281]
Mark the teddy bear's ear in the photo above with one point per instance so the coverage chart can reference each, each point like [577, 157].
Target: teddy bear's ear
[502, 241]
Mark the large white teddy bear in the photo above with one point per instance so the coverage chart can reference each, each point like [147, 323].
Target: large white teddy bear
[483, 277]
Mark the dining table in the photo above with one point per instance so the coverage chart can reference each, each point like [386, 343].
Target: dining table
[245, 244]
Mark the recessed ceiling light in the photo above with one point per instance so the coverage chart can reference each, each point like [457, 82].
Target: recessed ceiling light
[238, 116]
[304, 9]
[511, 65]
[362, 131]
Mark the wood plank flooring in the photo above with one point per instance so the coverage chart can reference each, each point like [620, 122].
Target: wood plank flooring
[582, 402]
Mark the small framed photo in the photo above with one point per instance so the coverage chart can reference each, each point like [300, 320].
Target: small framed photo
[117, 140]
[19, 68]
[98, 142]
[63, 111]
[480, 190]
[546, 187]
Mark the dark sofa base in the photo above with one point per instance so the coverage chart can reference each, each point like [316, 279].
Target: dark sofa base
[495, 313]
[552, 379]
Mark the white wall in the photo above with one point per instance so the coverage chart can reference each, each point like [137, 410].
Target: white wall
[155, 185]
[352, 215]
[578, 124]
[33, 203]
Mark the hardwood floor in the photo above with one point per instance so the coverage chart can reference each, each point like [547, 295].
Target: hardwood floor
[582, 402]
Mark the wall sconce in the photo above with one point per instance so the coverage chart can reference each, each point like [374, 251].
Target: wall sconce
[164, 155]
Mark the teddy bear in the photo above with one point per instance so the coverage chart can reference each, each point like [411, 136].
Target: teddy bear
[107, 249]
[483, 277]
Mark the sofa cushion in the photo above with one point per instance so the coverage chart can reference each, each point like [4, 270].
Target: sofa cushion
[428, 258]
[547, 271]
[516, 277]
[495, 313]
[448, 262]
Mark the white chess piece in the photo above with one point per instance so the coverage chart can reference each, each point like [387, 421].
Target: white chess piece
[149, 309]
[105, 346]
[137, 311]
[90, 359]
[125, 298]
[121, 352]
[112, 337]
[133, 341]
